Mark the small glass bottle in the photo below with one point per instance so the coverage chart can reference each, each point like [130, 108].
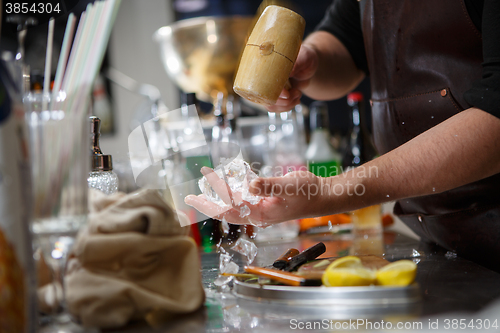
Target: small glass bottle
[321, 157]
[101, 177]
[323, 161]
[286, 143]
[360, 148]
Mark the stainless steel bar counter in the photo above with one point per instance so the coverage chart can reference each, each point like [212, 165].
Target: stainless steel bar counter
[451, 289]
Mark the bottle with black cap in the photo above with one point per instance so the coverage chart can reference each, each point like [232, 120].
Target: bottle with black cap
[360, 148]
[101, 177]
[322, 159]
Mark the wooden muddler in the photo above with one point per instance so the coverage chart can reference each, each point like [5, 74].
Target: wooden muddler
[269, 55]
[289, 279]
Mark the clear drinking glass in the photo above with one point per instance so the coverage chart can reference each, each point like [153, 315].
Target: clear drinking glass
[59, 146]
[286, 142]
[367, 231]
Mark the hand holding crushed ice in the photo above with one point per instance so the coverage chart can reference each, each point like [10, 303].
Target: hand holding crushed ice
[229, 180]
[226, 189]
[230, 192]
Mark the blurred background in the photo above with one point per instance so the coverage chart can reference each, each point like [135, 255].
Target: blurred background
[133, 52]
[137, 83]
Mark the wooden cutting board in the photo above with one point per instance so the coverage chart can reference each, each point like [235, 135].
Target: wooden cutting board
[315, 269]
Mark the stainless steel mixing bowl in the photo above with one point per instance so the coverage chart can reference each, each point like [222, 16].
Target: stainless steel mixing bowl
[202, 54]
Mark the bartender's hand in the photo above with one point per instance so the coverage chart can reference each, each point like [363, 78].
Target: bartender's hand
[304, 69]
[292, 196]
[324, 70]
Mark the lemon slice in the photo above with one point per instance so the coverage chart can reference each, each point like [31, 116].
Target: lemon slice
[349, 261]
[398, 273]
[347, 271]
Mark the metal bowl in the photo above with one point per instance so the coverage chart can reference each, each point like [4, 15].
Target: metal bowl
[202, 54]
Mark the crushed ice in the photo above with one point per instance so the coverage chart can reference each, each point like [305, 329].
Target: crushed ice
[244, 211]
[225, 226]
[246, 248]
[415, 254]
[226, 265]
[238, 175]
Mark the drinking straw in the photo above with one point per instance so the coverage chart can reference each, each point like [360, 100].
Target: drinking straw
[114, 5]
[76, 42]
[69, 82]
[78, 85]
[63, 57]
[94, 58]
[48, 62]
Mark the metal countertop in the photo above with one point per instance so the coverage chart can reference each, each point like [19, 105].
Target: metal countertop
[449, 285]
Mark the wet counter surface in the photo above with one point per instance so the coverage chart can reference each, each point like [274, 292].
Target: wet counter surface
[448, 285]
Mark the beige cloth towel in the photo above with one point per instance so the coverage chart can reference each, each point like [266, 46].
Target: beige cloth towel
[133, 261]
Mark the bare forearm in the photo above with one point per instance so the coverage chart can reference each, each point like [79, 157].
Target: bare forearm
[337, 74]
[460, 150]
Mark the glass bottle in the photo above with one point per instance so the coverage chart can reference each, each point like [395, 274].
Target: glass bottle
[224, 136]
[366, 222]
[322, 159]
[286, 143]
[101, 177]
[199, 155]
[359, 148]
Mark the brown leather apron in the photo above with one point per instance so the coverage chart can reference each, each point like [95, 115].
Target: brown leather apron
[422, 56]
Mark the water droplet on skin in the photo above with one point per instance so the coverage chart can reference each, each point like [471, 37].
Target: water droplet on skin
[403, 122]
[388, 195]
[433, 189]
[432, 117]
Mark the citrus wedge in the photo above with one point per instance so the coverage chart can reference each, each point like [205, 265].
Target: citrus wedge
[349, 261]
[347, 271]
[398, 273]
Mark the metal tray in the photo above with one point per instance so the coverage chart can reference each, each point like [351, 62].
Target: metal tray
[346, 296]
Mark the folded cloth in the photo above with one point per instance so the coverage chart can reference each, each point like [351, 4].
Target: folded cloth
[133, 260]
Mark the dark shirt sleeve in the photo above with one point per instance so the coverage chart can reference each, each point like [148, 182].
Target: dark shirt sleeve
[342, 20]
[485, 93]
